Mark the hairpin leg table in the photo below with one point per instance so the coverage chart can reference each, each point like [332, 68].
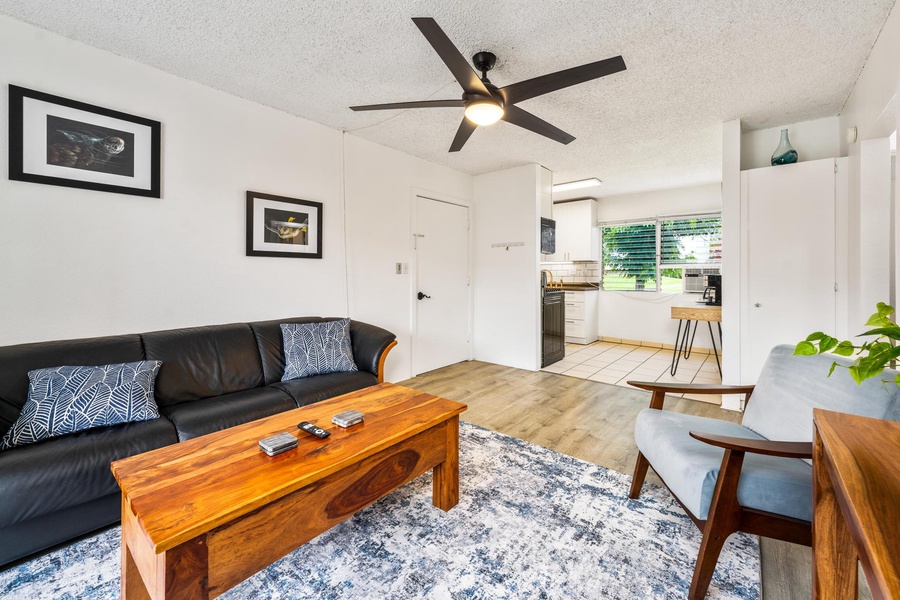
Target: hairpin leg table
[684, 339]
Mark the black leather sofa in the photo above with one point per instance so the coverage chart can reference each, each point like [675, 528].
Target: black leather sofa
[211, 378]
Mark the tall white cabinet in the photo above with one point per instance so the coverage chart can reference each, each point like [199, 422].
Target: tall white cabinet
[577, 234]
[793, 256]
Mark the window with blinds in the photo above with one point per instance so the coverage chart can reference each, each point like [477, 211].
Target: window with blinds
[650, 255]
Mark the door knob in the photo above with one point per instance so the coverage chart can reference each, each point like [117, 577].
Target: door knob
[757, 305]
[423, 295]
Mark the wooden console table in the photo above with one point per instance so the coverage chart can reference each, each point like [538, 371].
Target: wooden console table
[684, 342]
[856, 505]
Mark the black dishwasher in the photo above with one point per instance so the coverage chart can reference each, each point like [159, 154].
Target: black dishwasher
[553, 327]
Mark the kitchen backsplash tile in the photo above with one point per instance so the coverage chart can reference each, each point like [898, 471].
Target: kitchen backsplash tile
[574, 272]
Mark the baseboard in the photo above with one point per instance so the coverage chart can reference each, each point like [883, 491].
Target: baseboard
[657, 345]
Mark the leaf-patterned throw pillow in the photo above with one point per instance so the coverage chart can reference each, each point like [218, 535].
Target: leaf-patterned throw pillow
[316, 348]
[64, 400]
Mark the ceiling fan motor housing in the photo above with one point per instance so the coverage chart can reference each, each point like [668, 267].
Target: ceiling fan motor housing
[484, 61]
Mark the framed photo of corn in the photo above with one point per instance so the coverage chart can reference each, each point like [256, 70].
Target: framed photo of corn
[286, 227]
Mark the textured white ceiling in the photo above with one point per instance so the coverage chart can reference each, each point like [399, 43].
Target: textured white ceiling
[691, 65]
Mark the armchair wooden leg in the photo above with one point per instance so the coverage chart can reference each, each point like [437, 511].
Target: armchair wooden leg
[724, 518]
[640, 472]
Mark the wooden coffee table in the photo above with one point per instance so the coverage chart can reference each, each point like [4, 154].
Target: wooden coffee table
[201, 516]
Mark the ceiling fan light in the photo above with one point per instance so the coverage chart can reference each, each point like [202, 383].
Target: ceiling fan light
[484, 112]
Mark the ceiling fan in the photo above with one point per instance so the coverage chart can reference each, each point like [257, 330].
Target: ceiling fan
[485, 103]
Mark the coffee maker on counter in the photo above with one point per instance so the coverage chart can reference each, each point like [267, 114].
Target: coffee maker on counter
[713, 292]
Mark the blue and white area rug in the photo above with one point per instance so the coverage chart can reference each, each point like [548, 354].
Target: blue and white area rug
[531, 523]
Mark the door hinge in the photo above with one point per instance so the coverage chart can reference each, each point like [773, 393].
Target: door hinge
[835, 167]
[835, 287]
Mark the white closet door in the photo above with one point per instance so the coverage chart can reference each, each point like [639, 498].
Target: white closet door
[790, 257]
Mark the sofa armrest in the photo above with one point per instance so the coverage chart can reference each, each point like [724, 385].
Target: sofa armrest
[371, 345]
[766, 447]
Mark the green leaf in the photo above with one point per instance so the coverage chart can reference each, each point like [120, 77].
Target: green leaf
[854, 372]
[897, 379]
[882, 317]
[805, 349]
[833, 365]
[827, 344]
[869, 367]
[845, 348]
[815, 337]
[892, 332]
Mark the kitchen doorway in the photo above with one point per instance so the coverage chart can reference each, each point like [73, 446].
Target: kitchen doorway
[441, 291]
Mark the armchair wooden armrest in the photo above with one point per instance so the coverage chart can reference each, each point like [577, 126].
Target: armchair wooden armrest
[661, 389]
[766, 447]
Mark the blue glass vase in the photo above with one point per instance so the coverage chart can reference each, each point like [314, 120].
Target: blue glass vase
[784, 154]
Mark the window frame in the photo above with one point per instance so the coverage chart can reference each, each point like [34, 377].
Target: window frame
[658, 221]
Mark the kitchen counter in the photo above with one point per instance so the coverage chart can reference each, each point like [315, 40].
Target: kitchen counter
[574, 287]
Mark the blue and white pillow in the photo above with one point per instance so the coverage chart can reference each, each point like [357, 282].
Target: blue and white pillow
[316, 348]
[64, 400]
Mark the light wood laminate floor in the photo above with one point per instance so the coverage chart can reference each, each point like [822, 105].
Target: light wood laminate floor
[592, 421]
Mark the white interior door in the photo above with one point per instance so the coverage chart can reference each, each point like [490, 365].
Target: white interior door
[791, 257]
[442, 277]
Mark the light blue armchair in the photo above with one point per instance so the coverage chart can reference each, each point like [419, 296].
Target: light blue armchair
[757, 476]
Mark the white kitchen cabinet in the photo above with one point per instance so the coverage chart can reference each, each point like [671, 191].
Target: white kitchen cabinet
[581, 317]
[790, 281]
[577, 234]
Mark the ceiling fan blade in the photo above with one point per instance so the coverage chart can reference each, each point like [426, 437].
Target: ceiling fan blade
[526, 120]
[551, 82]
[459, 66]
[462, 135]
[421, 104]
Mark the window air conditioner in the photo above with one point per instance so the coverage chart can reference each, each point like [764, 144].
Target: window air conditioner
[693, 279]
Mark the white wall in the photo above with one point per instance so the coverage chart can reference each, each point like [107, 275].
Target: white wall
[83, 263]
[646, 316]
[812, 140]
[381, 184]
[873, 109]
[731, 260]
[112, 263]
[872, 105]
[507, 284]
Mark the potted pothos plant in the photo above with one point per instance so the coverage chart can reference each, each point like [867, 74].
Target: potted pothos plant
[873, 355]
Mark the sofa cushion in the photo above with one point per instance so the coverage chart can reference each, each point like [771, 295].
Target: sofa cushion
[321, 387]
[18, 360]
[316, 348]
[270, 343]
[690, 467]
[202, 362]
[73, 469]
[66, 399]
[789, 387]
[193, 419]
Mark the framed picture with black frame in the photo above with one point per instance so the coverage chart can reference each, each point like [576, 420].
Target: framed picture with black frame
[57, 141]
[286, 227]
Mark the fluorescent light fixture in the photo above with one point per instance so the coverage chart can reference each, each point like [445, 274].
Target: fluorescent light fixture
[576, 185]
[484, 112]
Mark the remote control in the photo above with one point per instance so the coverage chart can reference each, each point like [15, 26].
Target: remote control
[316, 431]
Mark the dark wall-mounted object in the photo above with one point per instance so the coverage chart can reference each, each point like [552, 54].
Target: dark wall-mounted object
[57, 141]
[285, 227]
[548, 236]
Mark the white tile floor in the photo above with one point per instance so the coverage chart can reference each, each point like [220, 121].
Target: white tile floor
[612, 363]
